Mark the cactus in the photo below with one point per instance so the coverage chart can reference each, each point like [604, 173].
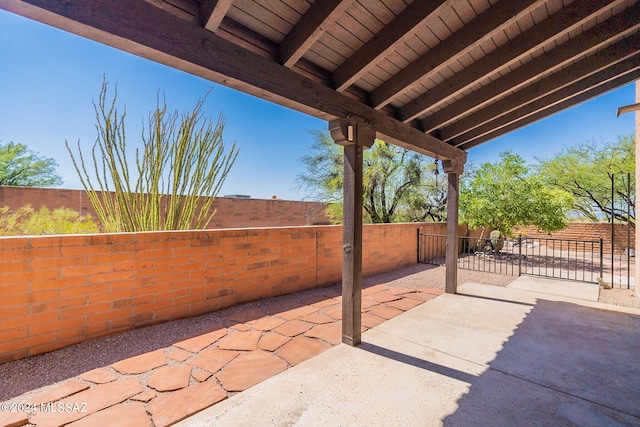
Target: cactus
[496, 240]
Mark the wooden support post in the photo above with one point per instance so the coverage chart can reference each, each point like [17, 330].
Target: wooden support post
[454, 170]
[354, 138]
[637, 246]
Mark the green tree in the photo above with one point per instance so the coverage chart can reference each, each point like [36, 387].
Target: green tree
[20, 166]
[391, 177]
[27, 221]
[506, 194]
[178, 171]
[585, 170]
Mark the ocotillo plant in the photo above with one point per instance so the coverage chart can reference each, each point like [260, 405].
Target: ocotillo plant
[180, 169]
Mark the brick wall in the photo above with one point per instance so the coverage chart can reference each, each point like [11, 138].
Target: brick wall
[588, 231]
[231, 213]
[60, 290]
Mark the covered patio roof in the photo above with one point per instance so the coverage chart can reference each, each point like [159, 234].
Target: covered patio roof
[438, 77]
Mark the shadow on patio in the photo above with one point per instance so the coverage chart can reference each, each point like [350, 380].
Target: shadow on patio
[489, 356]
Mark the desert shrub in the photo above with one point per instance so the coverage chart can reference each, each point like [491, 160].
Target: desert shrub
[27, 221]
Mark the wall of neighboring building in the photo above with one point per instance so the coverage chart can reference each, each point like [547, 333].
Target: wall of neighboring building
[60, 290]
[588, 231]
[231, 212]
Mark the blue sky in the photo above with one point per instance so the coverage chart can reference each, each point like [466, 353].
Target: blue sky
[48, 79]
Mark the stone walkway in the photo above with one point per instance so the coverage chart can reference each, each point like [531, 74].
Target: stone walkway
[164, 386]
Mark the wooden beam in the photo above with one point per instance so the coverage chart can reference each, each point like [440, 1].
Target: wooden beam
[212, 13]
[354, 137]
[601, 60]
[551, 99]
[384, 42]
[610, 30]
[152, 33]
[494, 19]
[308, 30]
[584, 96]
[184, 9]
[453, 171]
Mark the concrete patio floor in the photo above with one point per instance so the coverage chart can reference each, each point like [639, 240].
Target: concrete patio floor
[486, 356]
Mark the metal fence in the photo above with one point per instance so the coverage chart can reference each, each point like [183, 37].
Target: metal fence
[580, 260]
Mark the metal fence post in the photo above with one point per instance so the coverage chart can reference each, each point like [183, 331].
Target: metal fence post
[520, 255]
[418, 245]
[601, 259]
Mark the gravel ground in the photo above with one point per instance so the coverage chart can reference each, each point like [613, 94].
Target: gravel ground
[35, 372]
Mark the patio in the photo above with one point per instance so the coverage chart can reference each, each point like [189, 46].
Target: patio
[273, 361]
[486, 356]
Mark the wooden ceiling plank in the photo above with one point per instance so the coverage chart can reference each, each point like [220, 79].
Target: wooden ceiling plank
[212, 12]
[515, 49]
[549, 100]
[584, 96]
[383, 43]
[309, 28]
[494, 19]
[628, 48]
[152, 33]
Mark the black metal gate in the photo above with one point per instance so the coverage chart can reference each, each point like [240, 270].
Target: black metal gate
[580, 260]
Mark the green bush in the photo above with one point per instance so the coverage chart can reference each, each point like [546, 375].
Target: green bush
[27, 221]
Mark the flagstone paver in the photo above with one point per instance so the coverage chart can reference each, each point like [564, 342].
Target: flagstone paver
[198, 343]
[249, 369]
[240, 341]
[125, 415]
[241, 327]
[271, 341]
[169, 378]
[326, 303]
[145, 396]
[267, 323]
[335, 312]
[66, 389]
[374, 290]
[98, 376]
[300, 349]
[420, 296]
[404, 304]
[201, 375]
[330, 332]
[368, 303]
[139, 364]
[175, 406]
[298, 312]
[370, 320]
[317, 318]
[213, 360]
[385, 312]
[179, 355]
[293, 328]
[13, 419]
[246, 348]
[97, 398]
[400, 290]
[385, 297]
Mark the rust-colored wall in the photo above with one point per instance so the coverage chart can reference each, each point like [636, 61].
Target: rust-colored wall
[588, 231]
[60, 290]
[231, 212]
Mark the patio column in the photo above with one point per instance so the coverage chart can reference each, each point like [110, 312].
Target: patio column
[453, 170]
[637, 180]
[354, 137]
